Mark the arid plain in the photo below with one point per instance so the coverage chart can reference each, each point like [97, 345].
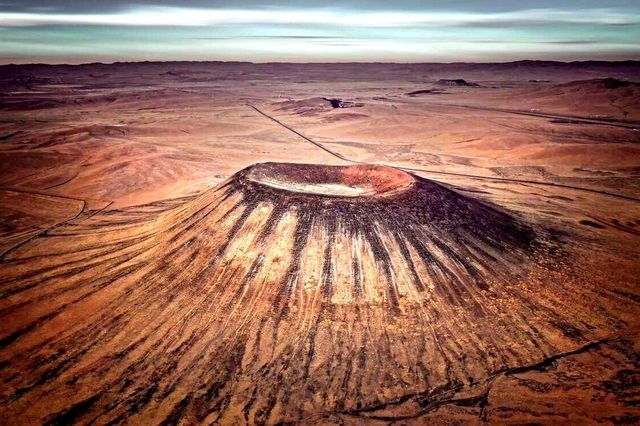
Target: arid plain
[443, 243]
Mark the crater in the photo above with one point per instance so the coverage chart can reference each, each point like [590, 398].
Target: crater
[361, 180]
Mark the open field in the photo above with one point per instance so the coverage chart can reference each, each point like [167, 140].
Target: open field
[150, 274]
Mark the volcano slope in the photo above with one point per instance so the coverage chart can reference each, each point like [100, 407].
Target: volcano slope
[287, 293]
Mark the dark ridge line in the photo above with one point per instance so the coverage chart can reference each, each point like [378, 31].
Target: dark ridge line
[328, 266]
[303, 226]
[38, 322]
[10, 135]
[70, 271]
[612, 225]
[430, 404]
[411, 169]
[73, 413]
[166, 202]
[357, 280]
[409, 261]
[381, 257]
[175, 237]
[547, 362]
[249, 205]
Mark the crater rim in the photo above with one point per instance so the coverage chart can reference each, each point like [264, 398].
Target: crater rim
[352, 181]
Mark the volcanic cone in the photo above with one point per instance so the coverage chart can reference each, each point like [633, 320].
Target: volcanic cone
[290, 292]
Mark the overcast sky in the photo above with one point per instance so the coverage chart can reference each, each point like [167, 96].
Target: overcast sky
[75, 31]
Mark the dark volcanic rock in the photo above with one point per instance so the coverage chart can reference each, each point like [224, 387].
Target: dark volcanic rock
[612, 83]
[339, 103]
[426, 92]
[459, 82]
[600, 83]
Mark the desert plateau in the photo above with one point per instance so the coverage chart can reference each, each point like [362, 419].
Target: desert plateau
[320, 243]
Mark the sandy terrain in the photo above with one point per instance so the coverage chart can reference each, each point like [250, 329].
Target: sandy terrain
[150, 274]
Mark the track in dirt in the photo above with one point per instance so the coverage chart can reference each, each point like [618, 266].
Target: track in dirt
[82, 210]
[633, 125]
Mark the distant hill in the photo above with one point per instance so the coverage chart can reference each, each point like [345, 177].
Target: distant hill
[599, 84]
[601, 97]
[555, 72]
[458, 82]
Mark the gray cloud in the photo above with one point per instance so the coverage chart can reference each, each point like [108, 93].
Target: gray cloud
[180, 16]
[101, 6]
[573, 42]
[376, 29]
[551, 42]
[271, 37]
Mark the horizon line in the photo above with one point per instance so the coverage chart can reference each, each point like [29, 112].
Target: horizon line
[617, 61]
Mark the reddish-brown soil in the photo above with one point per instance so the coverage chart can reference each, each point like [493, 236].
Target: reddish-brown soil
[193, 243]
